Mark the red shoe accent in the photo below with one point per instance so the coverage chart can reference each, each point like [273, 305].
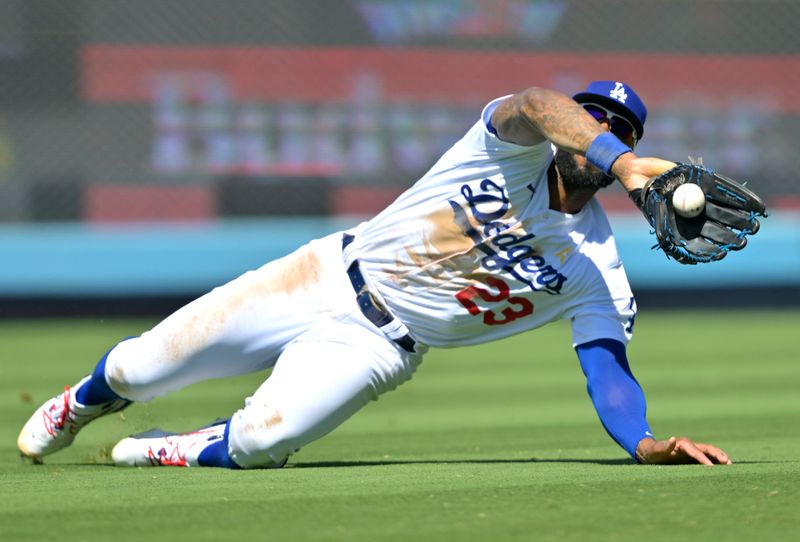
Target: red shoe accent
[163, 459]
[51, 424]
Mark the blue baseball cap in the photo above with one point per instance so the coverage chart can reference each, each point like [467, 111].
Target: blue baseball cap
[618, 98]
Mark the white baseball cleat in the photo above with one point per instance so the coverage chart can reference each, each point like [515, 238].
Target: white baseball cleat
[54, 425]
[160, 449]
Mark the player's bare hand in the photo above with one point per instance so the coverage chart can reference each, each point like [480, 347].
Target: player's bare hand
[633, 172]
[679, 450]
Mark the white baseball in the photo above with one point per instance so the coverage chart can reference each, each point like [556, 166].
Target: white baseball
[689, 200]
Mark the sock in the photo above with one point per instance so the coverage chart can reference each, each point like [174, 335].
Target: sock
[216, 454]
[97, 391]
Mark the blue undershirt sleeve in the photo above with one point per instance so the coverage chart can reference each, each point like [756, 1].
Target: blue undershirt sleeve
[616, 395]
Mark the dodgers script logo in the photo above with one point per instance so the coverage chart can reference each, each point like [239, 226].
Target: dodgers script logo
[504, 252]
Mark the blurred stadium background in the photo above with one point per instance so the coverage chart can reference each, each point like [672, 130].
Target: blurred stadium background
[151, 150]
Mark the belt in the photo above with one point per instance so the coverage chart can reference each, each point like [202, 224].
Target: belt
[370, 307]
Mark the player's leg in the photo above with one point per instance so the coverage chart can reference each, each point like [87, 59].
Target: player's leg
[237, 328]
[321, 380]
[314, 389]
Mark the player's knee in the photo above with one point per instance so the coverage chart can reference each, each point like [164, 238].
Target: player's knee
[260, 437]
[121, 371]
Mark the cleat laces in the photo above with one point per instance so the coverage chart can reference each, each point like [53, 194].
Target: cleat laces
[55, 418]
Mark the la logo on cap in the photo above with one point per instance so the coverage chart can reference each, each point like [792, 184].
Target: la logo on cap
[619, 98]
[618, 92]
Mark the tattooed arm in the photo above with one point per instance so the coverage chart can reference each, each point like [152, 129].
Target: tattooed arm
[536, 115]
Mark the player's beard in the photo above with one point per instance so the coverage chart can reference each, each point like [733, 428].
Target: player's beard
[575, 176]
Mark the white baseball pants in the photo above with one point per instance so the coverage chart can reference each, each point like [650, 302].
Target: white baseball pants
[297, 314]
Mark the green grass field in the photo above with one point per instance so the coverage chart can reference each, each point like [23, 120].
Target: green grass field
[498, 442]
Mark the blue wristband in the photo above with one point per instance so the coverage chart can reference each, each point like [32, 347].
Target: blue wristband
[604, 151]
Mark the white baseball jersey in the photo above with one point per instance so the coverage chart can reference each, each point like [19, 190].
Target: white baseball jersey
[473, 253]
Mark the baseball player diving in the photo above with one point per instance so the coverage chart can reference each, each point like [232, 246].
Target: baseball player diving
[502, 235]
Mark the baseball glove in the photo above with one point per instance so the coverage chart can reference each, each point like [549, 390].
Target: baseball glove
[729, 216]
